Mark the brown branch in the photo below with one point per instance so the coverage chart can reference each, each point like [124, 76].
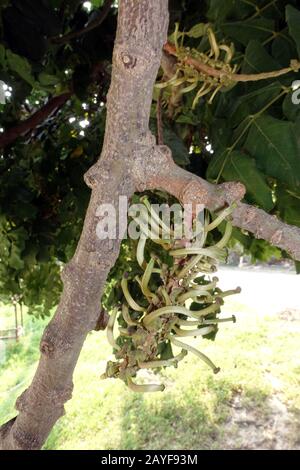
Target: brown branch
[80, 32]
[11, 134]
[268, 227]
[234, 77]
[191, 189]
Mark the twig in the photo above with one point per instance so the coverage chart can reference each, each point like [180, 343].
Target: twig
[10, 135]
[94, 24]
[234, 77]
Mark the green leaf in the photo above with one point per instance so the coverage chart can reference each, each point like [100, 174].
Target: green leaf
[46, 79]
[291, 110]
[219, 10]
[274, 145]
[257, 59]
[283, 51]
[21, 66]
[263, 251]
[197, 31]
[239, 236]
[15, 260]
[2, 93]
[212, 335]
[293, 21]
[188, 118]
[220, 135]
[166, 351]
[97, 3]
[241, 167]
[244, 31]
[253, 102]
[288, 204]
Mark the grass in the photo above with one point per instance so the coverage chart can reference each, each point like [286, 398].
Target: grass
[258, 356]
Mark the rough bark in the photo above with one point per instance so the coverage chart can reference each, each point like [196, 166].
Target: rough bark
[130, 161]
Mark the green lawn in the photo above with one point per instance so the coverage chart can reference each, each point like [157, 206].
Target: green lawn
[259, 360]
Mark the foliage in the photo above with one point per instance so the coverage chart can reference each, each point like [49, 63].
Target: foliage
[43, 197]
[253, 127]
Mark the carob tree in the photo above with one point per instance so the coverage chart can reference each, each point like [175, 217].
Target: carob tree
[130, 162]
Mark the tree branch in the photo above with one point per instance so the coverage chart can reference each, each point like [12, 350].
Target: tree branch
[11, 134]
[268, 227]
[92, 25]
[234, 77]
[188, 188]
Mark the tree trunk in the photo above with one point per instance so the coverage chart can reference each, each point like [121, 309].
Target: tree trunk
[141, 33]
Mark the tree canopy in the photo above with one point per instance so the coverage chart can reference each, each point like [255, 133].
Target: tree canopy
[55, 65]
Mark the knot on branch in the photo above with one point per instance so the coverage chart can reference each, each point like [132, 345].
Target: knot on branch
[135, 59]
[125, 59]
[58, 397]
[46, 348]
[231, 191]
[128, 60]
[101, 171]
[54, 342]
[92, 176]
[21, 401]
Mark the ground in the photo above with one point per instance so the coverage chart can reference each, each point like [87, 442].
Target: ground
[253, 403]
